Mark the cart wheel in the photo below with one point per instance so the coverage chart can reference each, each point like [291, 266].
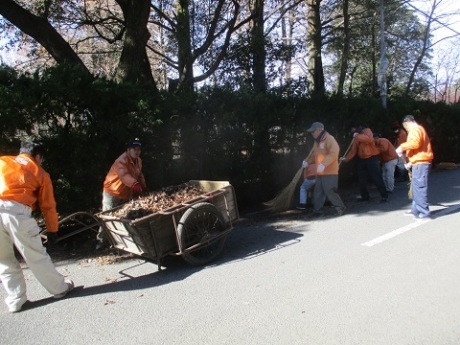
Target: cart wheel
[200, 221]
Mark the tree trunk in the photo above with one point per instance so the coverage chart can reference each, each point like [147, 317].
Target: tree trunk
[258, 47]
[134, 65]
[425, 47]
[374, 84]
[287, 26]
[382, 78]
[315, 61]
[185, 57]
[41, 30]
[345, 48]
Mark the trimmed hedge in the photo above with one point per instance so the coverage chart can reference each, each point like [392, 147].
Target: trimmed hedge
[255, 141]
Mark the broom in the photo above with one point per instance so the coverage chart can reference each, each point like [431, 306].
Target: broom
[409, 174]
[283, 200]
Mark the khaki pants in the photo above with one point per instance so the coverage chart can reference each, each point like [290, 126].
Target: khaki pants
[18, 227]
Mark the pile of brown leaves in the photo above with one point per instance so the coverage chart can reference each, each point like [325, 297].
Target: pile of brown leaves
[157, 201]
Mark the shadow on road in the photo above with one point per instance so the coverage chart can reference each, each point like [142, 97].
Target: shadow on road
[248, 240]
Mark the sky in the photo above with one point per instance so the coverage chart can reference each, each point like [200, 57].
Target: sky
[446, 55]
[449, 13]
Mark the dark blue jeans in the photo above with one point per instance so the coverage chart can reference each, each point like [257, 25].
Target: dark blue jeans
[368, 168]
[419, 183]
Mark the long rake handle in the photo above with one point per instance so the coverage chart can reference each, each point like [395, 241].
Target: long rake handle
[309, 154]
[348, 149]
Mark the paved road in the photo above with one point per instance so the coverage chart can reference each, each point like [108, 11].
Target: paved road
[372, 276]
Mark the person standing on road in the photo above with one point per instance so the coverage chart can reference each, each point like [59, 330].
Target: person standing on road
[23, 184]
[325, 155]
[368, 164]
[123, 182]
[420, 155]
[389, 159]
[400, 136]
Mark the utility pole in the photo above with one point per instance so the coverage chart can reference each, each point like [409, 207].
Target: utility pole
[382, 78]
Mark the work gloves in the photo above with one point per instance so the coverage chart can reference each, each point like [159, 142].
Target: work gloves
[320, 168]
[52, 237]
[399, 151]
[137, 188]
[304, 164]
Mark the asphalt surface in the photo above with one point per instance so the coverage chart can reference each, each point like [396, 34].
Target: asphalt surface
[372, 276]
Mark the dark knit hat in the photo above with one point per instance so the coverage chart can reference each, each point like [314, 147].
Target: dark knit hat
[134, 143]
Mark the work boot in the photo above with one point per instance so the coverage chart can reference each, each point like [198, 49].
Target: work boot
[340, 211]
[302, 207]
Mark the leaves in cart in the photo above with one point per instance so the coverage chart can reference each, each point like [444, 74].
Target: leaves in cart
[156, 201]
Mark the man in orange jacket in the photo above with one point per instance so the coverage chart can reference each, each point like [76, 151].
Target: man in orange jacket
[325, 156]
[389, 158]
[23, 184]
[420, 155]
[368, 164]
[124, 181]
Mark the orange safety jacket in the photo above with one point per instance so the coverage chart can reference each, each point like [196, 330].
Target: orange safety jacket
[386, 149]
[418, 146]
[122, 175]
[326, 152]
[24, 181]
[363, 145]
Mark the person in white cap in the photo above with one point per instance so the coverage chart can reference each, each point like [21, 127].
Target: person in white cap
[23, 184]
[325, 156]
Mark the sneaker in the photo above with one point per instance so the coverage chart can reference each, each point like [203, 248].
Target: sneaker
[423, 216]
[70, 287]
[15, 308]
[316, 214]
[302, 207]
[340, 210]
[408, 213]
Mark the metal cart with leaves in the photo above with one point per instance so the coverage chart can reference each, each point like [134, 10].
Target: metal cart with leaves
[196, 229]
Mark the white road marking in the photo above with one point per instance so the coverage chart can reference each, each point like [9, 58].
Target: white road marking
[406, 228]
